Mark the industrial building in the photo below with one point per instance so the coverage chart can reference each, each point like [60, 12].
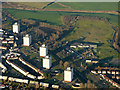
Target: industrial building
[16, 27]
[47, 62]
[27, 40]
[43, 50]
[68, 74]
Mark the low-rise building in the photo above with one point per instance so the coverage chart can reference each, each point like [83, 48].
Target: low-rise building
[103, 72]
[17, 68]
[99, 71]
[4, 42]
[55, 86]
[31, 76]
[88, 61]
[2, 47]
[94, 71]
[3, 77]
[113, 72]
[44, 84]
[117, 72]
[109, 72]
[34, 82]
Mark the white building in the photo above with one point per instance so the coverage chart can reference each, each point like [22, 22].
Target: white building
[47, 62]
[68, 74]
[16, 28]
[27, 40]
[44, 84]
[43, 50]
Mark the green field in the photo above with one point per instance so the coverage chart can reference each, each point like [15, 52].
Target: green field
[39, 5]
[54, 17]
[94, 6]
[56, 6]
[94, 31]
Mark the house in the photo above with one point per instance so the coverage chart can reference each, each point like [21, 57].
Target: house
[4, 42]
[3, 77]
[109, 72]
[31, 76]
[34, 82]
[99, 71]
[93, 46]
[103, 71]
[94, 71]
[44, 84]
[88, 61]
[55, 86]
[113, 72]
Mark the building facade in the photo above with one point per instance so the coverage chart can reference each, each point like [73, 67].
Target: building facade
[16, 28]
[47, 62]
[43, 50]
[27, 40]
[68, 74]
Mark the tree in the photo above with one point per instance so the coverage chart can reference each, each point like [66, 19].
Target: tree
[66, 64]
[61, 63]
[88, 84]
[49, 76]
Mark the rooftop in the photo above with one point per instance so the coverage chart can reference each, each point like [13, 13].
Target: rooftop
[69, 68]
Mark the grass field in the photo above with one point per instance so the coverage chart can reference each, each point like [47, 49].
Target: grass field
[94, 31]
[34, 4]
[95, 6]
[45, 16]
[54, 17]
[56, 6]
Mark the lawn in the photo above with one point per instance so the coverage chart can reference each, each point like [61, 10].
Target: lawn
[94, 31]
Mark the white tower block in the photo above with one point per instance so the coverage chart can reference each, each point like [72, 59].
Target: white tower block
[27, 40]
[68, 74]
[43, 50]
[16, 28]
[47, 62]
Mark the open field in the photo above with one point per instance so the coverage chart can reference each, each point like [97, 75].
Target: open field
[39, 5]
[96, 32]
[95, 6]
[54, 17]
[57, 5]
